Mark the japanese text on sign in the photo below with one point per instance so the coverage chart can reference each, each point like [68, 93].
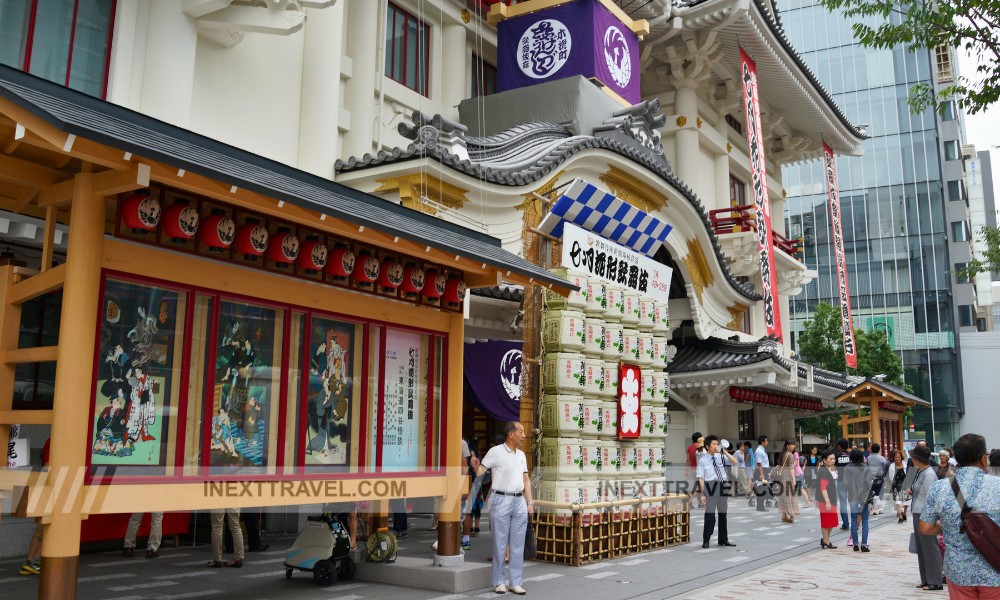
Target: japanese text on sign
[593, 255]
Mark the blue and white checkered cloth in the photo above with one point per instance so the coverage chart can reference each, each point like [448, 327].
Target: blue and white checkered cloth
[601, 212]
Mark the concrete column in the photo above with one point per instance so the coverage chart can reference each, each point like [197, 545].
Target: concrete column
[448, 553]
[168, 75]
[722, 169]
[686, 159]
[319, 116]
[71, 410]
[455, 71]
[363, 31]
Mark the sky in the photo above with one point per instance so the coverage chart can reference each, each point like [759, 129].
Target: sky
[983, 129]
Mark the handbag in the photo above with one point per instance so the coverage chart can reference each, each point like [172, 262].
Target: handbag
[913, 543]
[979, 528]
[530, 543]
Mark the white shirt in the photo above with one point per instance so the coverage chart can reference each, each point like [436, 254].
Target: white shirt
[507, 467]
[465, 450]
[761, 455]
[707, 470]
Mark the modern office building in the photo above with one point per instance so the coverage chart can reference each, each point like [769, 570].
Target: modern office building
[905, 212]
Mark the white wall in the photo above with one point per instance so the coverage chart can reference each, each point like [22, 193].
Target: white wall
[980, 352]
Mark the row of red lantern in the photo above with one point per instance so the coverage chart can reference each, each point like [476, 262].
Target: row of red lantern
[182, 222]
[741, 394]
[892, 406]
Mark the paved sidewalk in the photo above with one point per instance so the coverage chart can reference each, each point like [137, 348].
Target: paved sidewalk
[888, 572]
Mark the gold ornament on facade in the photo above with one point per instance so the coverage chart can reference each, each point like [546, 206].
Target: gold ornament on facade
[682, 121]
[699, 272]
[466, 15]
[729, 147]
[625, 186]
[415, 188]
[737, 312]
[531, 204]
[697, 122]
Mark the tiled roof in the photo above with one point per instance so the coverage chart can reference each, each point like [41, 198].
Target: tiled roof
[715, 353]
[527, 153]
[500, 292]
[129, 131]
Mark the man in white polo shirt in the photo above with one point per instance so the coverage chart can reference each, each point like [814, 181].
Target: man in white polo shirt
[510, 506]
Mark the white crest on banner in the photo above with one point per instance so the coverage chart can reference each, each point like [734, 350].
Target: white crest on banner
[544, 48]
[617, 56]
[510, 374]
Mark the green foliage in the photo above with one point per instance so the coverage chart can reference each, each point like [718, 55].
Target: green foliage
[822, 341]
[972, 25]
[988, 261]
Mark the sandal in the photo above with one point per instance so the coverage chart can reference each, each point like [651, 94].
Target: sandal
[238, 563]
[214, 564]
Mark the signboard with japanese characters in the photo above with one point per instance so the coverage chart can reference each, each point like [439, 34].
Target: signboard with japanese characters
[403, 379]
[629, 401]
[17, 449]
[843, 291]
[577, 38]
[594, 256]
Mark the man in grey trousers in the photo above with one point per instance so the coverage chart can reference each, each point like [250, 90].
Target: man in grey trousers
[928, 552]
[510, 506]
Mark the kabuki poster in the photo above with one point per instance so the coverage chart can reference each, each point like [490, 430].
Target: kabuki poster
[137, 374]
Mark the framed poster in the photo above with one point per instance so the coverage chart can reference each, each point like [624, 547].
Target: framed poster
[137, 375]
[331, 391]
[405, 376]
[247, 379]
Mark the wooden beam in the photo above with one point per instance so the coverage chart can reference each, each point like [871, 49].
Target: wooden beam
[30, 355]
[111, 182]
[27, 173]
[26, 417]
[42, 283]
[12, 145]
[25, 200]
[59, 194]
[49, 241]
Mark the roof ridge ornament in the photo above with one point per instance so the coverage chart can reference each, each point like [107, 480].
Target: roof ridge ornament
[436, 132]
[639, 122]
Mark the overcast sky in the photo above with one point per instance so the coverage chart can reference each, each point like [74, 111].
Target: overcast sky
[982, 129]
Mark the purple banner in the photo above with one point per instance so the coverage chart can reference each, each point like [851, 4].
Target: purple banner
[493, 375]
[582, 38]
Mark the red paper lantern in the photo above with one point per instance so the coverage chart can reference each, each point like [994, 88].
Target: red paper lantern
[368, 269]
[390, 274]
[251, 239]
[141, 212]
[283, 248]
[218, 231]
[313, 255]
[434, 285]
[180, 221]
[413, 280]
[341, 262]
[454, 290]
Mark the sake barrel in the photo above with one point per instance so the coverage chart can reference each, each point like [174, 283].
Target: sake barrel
[630, 349]
[648, 426]
[610, 380]
[591, 417]
[562, 415]
[660, 352]
[616, 303]
[661, 388]
[575, 300]
[561, 458]
[593, 376]
[661, 420]
[564, 330]
[561, 492]
[614, 342]
[647, 316]
[661, 317]
[609, 420]
[630, 458]
[590, 456]
[658, 462]
[593, 337]
[644, 353]
[597, 299]
[642, 454]
[647, 391]
[611, 459]
[631, 316]
[563, 372]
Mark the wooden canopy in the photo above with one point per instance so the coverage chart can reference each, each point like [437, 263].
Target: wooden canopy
[887, 404]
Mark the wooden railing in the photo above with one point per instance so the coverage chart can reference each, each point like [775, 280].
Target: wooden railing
[742, 218]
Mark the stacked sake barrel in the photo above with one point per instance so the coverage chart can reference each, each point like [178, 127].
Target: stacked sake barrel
[585, 336]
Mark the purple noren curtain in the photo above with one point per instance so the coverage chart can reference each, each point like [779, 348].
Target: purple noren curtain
[493, 378]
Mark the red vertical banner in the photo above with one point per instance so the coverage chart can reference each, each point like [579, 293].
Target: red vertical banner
[762, 203]
[844, 290]
[629, 401]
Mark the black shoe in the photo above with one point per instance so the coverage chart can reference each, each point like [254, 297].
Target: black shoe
[260, 548]
[129, 552]
[900, 521]
[704, 544]
[150, 553]
[857, 548]
[865, 548]
[726, 544]
[763, 510]
[845, 527]
[933, 588]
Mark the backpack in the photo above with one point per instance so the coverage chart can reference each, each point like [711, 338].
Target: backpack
[979, 528]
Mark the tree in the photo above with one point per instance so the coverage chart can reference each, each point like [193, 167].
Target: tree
[973, 25]
[822, 344]
[989, 260]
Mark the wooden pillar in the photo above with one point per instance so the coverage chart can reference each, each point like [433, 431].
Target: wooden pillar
[10, 324]
[71, 404]
[450, 510]
[876, 426]
[843, 426]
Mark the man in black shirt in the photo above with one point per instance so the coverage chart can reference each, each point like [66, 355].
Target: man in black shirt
[843, 459]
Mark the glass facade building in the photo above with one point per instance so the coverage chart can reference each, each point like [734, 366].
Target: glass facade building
[895, 199]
